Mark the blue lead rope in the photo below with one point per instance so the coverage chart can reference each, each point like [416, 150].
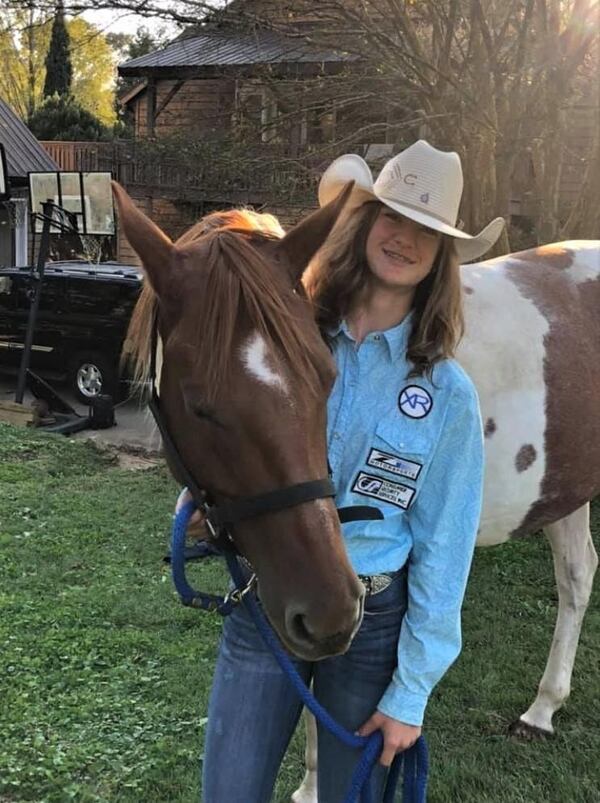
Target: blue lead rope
[415, 759]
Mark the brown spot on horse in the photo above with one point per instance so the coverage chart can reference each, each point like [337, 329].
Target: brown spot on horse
[490, 427]
[555, 256]
[572, 379]
[525, 457]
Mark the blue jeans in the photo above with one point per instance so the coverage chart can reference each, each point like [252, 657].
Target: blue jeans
[253, 709]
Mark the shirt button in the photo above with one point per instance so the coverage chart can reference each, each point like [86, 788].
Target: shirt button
[336, 436]
[376, 337]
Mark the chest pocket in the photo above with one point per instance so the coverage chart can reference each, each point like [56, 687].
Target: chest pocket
[401, 450]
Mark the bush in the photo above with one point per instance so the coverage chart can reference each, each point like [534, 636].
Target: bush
[61, 117]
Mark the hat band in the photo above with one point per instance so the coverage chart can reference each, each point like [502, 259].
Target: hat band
[417, 208]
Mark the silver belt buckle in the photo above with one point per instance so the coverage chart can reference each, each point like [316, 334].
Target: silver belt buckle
[375, 583]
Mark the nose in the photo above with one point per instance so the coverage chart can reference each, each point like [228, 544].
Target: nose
[315, 631]
[406, 233]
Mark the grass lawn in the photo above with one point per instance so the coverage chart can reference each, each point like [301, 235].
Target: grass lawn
[104, 676]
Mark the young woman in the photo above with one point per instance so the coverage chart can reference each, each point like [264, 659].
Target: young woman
[404, 436]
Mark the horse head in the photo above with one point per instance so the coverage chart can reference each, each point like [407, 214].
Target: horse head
[243, 389]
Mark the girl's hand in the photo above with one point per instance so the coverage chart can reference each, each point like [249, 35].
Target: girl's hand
[397, 736]
[196, 527]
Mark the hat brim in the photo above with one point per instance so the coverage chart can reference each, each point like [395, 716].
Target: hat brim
[352, 167]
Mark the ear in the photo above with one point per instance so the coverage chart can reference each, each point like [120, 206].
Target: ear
[151, 244]
[301, 244]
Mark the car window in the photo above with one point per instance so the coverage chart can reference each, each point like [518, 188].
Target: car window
[93, 296]
[51, 300]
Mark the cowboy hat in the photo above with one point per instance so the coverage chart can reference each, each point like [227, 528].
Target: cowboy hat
[422, 183]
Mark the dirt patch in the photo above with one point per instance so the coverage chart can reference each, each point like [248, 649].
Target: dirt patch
[133, 458]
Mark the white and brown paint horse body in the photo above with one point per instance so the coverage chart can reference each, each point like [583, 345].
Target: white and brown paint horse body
[532, 347]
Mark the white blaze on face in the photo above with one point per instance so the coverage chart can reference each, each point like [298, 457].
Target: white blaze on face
[255, 358]
[503, 353]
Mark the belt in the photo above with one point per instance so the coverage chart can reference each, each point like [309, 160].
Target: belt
[375, 583]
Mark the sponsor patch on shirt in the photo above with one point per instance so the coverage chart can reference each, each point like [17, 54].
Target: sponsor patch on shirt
[414, 401]
[385, 490]
[394, 464]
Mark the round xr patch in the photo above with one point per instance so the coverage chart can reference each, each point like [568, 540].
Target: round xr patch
[414, 401]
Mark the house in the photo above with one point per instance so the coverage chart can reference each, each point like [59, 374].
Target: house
[235, 84]
[24, 154]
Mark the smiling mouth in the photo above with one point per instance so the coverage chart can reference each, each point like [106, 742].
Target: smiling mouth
[401, 259]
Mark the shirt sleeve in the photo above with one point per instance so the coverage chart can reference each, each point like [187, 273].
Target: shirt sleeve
[443, 523]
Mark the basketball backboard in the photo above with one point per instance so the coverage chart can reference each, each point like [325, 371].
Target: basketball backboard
[4, 187]
[87, 195]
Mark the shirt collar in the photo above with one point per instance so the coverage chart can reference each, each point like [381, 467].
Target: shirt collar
[396, 337]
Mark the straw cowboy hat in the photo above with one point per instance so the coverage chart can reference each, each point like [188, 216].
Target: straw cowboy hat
[422, 183]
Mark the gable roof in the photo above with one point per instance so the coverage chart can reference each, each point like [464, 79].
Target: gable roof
[23, 151]
[218, 48]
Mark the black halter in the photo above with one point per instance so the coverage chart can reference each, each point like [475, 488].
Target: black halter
[220, 518]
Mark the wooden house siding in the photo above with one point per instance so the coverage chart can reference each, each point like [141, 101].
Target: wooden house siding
[198, 106]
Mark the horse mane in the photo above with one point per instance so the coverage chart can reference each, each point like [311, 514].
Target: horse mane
[239, 282]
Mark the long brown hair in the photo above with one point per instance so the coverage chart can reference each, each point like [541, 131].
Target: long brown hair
[340, 272]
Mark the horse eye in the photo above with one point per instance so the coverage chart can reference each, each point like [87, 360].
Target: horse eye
[205, 413]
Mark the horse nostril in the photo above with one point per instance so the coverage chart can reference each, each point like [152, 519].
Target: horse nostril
[296, 627]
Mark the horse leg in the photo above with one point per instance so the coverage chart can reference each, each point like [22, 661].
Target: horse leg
[307, 792]
[575, 563]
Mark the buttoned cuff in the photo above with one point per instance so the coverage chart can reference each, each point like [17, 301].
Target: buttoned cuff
[403, 705]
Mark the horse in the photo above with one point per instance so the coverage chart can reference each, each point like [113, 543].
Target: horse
[243, 391]
[532, 348]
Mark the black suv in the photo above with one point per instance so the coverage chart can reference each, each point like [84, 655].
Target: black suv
[82, 320]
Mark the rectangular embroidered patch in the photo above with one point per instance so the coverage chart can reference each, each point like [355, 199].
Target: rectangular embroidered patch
[386, 490]
[394, 464]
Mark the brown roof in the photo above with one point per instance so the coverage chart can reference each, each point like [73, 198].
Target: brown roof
[219, 48]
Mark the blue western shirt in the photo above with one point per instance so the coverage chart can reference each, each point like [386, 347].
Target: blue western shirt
[413, 448]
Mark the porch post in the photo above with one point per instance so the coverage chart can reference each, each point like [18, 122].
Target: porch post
[151, 106]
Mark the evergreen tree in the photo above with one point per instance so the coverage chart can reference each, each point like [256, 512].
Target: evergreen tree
[58, 61]
[61, 117]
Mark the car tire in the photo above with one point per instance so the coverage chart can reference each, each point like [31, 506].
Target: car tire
[92, 374]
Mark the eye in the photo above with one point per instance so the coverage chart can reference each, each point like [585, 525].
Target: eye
[425, 230]
[205, 413]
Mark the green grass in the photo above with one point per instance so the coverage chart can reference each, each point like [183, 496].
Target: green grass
[104, 676]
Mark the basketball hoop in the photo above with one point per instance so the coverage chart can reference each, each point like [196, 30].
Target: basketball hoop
[92, 247]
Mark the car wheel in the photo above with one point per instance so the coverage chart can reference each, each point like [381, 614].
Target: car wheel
[92, 375]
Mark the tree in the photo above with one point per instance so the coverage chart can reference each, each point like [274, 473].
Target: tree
[61, 117]
[58, 59]
[492, 80]
[24, 43]
[94, 70]
[128, 47]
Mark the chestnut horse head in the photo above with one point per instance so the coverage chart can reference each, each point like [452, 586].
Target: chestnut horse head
[243, 390]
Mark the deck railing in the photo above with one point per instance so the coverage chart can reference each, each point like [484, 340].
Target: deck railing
[268, 172]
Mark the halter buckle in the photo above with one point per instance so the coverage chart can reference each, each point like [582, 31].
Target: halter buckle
[236, 595]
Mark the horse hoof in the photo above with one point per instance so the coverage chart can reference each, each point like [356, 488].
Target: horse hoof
[530, 733]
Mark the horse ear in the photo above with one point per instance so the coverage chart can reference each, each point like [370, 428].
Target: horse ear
[301, 243]
[149, 242]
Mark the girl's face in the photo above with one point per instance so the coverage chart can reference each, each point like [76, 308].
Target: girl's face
[400, 253]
